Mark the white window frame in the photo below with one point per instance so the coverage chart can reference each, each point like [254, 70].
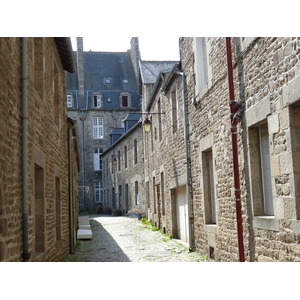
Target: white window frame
[98, 128]
[136, 192]
[266, 170]
[97, 101]
[98, 192]
[98, 159]
[201, 64]
[69, 101]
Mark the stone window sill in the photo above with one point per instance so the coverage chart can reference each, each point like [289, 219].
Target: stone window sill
[266, 222]
[296, 226]
[211, 228]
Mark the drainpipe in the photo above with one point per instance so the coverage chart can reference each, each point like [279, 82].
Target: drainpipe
[234, 117]
[70, 157]
[25, 254]
[188, 162]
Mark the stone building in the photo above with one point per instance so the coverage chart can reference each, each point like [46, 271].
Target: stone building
[266, 84]
[123, 169]
[38, 151]
[100, 96]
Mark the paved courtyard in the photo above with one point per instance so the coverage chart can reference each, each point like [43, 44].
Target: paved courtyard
[122, 239]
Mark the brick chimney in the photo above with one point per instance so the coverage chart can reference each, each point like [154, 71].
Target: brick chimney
[80, 70]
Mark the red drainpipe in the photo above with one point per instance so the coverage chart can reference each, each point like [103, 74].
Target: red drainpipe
[234, 117]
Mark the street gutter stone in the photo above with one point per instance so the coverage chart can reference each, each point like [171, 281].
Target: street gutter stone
[123, 239]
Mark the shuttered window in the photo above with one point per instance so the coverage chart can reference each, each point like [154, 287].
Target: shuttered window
[98, 128]
[266, 170]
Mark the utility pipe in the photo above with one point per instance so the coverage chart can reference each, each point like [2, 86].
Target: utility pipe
[24, 95]
[188, 161]
[234, 117]
[70, 156]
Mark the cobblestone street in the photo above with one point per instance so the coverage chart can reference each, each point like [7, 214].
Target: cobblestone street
[122, 239]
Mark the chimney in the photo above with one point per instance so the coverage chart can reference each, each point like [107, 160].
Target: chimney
[135, 55]
[80, 70]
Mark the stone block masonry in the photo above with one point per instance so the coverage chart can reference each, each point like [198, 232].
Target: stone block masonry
[48, 157]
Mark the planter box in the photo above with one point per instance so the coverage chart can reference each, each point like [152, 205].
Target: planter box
[137, 216]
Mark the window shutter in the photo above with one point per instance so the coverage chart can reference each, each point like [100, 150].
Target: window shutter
[266, 170]
[98, 101]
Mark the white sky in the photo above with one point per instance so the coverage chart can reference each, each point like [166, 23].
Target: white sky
[151, 47]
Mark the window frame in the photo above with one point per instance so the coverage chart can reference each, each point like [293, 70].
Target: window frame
[98, 128]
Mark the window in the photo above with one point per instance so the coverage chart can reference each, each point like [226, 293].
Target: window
[266, 170]
[39, 195]
[159, 120]
[125, 81]
[136, 189]
[124, 101]
[108, 100]
[98, 159]
[162, 189]
[174, 110]
[154, 195]
[58, 207]
[125, 157]
[209, 187]
[135, 149]
[97, 101]
[107, 81]
[119, 160]
[98, 192]
[120, 196]
[98, 128]
[261, 180]
[201, 64]
[69, 100]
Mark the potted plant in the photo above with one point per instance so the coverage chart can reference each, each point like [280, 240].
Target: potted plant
[135, 213]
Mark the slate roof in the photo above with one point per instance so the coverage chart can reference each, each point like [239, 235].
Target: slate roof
[150, 69]
[101, 67]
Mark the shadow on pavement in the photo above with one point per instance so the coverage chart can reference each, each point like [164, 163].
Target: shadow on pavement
[101, 248]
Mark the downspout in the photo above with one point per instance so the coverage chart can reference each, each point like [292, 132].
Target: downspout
[24, 95]
[234, 117]
[188, 164]
[70, 157]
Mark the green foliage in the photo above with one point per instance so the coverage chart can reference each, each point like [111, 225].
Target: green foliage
[203, 258]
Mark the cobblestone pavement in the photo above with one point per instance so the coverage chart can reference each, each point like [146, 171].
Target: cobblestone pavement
[122, 239]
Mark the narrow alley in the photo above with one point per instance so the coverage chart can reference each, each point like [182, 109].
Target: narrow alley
[122, 239]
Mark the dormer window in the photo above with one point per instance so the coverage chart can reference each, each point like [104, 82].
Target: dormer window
[125, 100]
[107, 81]
[97, 101]
[125, 81]
[69, 100]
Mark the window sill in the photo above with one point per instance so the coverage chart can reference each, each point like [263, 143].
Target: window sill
[211, 228]
[266, 222]
[296, 226]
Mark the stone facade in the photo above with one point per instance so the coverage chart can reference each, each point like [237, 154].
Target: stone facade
[123, 181]
[266, 72]
[111, 76]
[47, 162]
